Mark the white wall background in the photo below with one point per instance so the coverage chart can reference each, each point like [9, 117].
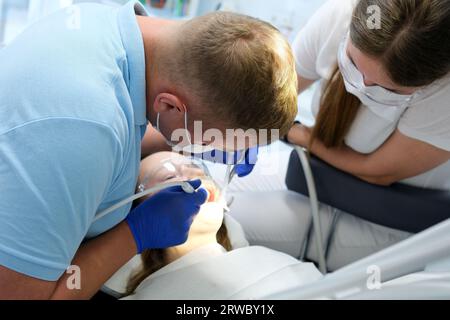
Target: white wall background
[288, 15]
[284, 14]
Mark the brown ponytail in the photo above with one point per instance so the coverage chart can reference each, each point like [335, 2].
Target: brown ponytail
[337, 112]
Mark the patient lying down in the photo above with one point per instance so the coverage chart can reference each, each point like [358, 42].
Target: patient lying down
[208, 226]
[205, 267]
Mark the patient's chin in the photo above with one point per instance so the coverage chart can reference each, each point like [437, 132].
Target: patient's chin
[209, 219]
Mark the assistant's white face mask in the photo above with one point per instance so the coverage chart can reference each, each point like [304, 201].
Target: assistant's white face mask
[386, 103]
[189, 147]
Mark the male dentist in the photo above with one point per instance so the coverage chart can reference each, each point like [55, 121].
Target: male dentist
[77, 91]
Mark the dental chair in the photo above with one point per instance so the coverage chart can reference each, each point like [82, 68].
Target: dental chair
[400, 207]
[417, 268]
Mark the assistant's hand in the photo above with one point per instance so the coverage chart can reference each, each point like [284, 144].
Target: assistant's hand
[164, 220]
[299, 135]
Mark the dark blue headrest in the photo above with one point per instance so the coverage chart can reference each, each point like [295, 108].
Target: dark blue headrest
[399, 207]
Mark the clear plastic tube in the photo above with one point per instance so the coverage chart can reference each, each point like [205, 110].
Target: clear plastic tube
[182, 169]
[183, 184]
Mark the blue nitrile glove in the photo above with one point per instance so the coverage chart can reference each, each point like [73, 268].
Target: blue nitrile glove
[164, 220]
[243, 169]
[247, 166]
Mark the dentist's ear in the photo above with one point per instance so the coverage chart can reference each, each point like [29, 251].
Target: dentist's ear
[166, 102]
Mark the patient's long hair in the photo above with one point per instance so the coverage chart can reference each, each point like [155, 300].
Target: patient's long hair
[156, 259]
[413, 45]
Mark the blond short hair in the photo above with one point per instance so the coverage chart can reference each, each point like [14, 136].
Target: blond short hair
[241, 68]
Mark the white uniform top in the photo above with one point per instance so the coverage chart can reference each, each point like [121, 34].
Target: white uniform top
[426, 119]
[117, 284]
[212, 273]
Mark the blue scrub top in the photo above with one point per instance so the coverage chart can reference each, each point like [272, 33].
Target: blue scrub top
[73, 114]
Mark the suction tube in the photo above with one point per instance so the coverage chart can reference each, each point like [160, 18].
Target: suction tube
[183, 184]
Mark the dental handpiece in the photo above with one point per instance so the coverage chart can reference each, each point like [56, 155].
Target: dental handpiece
[229, 176]
[186, 186]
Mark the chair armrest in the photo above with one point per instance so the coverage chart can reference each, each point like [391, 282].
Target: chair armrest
[400, 206]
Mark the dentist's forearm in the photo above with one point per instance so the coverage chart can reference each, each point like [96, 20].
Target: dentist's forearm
[98, 260]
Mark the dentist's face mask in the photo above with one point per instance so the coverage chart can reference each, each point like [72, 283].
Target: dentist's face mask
[186, 144]
[373, 96]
